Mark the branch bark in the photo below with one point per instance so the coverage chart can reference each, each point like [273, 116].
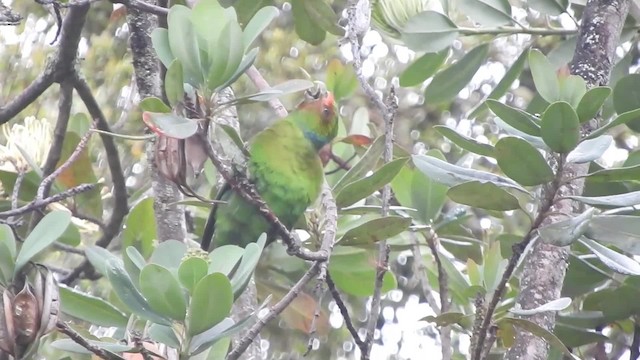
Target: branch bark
[170, 219]
[545, 268]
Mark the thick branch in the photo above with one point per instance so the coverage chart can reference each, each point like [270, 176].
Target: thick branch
[544, 270]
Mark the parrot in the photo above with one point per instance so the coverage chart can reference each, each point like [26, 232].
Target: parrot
[285, 167]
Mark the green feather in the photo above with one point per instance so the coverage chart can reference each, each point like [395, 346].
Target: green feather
[285, 167]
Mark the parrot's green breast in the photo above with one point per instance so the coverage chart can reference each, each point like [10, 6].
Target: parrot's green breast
[285, 167]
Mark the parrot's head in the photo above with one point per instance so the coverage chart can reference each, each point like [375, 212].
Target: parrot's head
[318, 117]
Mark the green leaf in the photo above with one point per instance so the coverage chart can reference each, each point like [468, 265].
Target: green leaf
[615, 174]
[160, 41]
[533, 140]
[170, 124]
[560, 127]
[140, 230]
[341, 80]
[572, 89]
[549, 7]
[184, 43]
[539, 331]
[518, 119]
[626, 95]
[553, 305]
[44, 234]
[246, 63]
[322, 14]
[163, 292]
[219, 349]
[429, 31]
[448, 174]
[362, 188]
[544, 76]
[224, 259]
[590, 150]
[164, 334]
[375, 230]
[362, 167]
[591, 102]
[169, 254]
[613, 260]
[447, 83]
[490, 13]
[258, 23]
[89, 308]
[69, 345]
[622, 231]
[7, 238]
[566, 232]
[233, 46]
[483, 195]
[423, 68]
[7, 263]
[71, 236]
[624, 118]
[465, 142]
[191, 271]
[174, 83]
[133, 263]
[99, 257]
[354, 272]
[415, 190]
[523, 163]
[626, 199]
[306, 28]
[154, 104]
[211, 303]
[505, 83]
[126, 291]
[493, 267]
[245, 270]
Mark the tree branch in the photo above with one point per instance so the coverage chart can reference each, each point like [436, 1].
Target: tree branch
[121, 207]
[274, 310]
[39, 204]
[78, 339]
[388, 110]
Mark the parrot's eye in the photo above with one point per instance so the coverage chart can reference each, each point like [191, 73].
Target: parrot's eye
[326, 112]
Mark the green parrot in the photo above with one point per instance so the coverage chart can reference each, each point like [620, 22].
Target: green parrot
[286, 169]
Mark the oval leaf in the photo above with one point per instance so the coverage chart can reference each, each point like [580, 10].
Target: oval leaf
[465, 142]
[90, 308]
[375, 230]
[170, 124]
[191, 271]
[591, 102]
[211, 303]
[565, 232]
[429, 31]
[483, 195]
[590, 150]
[544, 76]
[613, 260]
[560, 127]
[518, 119]
[423, 68]
[448, 83]
[48, 230]
[362, 188]
[163, 292]
[522, 162]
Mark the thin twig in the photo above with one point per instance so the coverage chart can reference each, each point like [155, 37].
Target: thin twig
[78, 339]
[262, 84]
[121, 207]
[387, 109]
[46, 182]
[420, 271]
[143, 6]
[635, 343]
[345, 314]
[39, 204]
[273, 311]
[318, 292]
[445, 331]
